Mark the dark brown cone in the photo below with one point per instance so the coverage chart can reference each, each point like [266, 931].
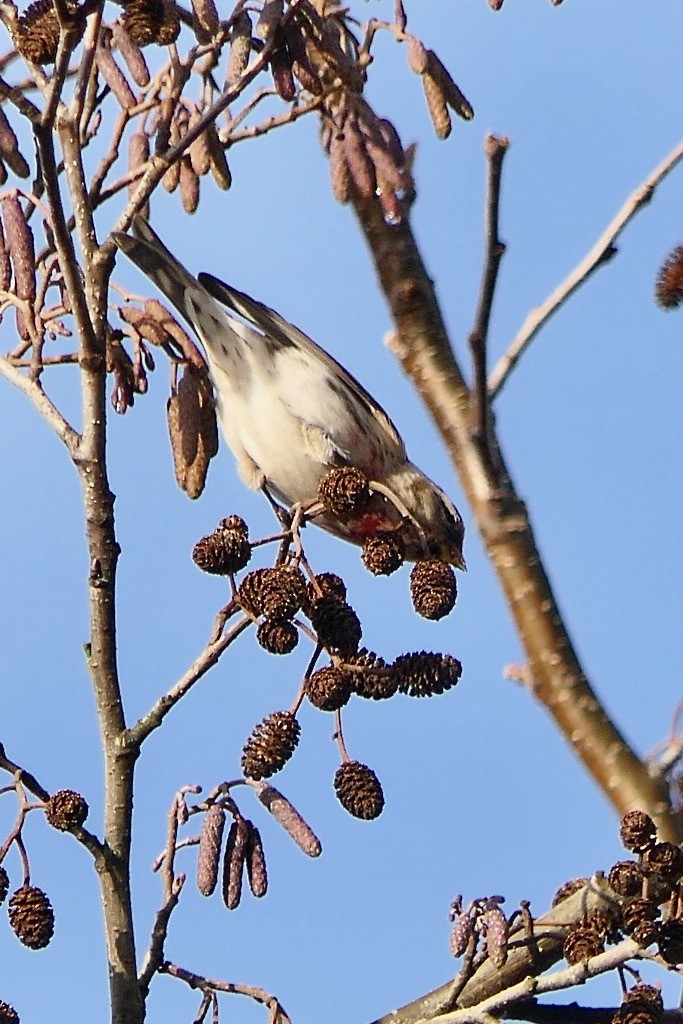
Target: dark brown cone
[646, 997]
[582, 943]
[270, 745]
[605, 921]
[170, 26]
[433, 588]
[666, 859]
[336, 624]
[8, 1015]
[142, 20]
[637, 831]
[290, 819]
[568, 889]
[31, 917]
[424, 675]
[329, 688]
[669, 283]
[4, 884]
[358, 790]
[283, 592]
[256, 863]
[383, 553]
[250, 591]
[670, 942]
[210, 841]
[640, 921]
[226, 550]
[325, 584]
[369, 684]
[37, 36]
[277, 636]
[626, 878]
[233, 863]
[344, 491]
[66, 810]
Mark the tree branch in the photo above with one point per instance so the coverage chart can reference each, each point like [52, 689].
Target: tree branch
[50, 413]
[422, 346]
[201, 665]
[603, 250]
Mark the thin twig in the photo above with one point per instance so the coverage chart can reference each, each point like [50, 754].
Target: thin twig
[259, 995]
[567, 977]
[136, 735]
[47, 409]
[495, 149]
[603, 250]
[173, 885]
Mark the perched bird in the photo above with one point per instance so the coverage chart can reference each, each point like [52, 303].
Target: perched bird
[290, 412]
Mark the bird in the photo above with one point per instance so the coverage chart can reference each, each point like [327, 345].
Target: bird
[290, 412]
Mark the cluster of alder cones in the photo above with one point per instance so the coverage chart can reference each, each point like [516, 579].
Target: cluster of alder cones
[648, 905]
[31, 916]
[643, 901]
[278, 598]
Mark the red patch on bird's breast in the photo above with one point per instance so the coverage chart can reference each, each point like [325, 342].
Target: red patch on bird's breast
[367, 524]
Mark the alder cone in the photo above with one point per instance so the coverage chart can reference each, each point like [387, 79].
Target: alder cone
[66, 810]
[359, 790]
[270, 745]
[8, 1015]
[31, 917]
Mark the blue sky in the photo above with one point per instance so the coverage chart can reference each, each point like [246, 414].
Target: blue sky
[482, 794]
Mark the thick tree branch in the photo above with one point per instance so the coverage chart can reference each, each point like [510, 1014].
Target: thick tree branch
[490, 987]
[422, 345]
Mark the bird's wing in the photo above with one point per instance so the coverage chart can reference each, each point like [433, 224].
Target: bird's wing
[284, 334]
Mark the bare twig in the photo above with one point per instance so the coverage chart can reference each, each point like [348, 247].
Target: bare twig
[173, 885]
[48, 410]
[259, 995]
[601, 252]
[421, 343]
[495, 149]
[206, 660]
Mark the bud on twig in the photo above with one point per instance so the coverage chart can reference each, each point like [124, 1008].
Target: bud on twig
[233, 863]
[281, 70]
[219, 163]
[19, 238]
[207, 16]
[240, 48]
[256, 863]
[290, 819]
[138, 155]
[269, 20]
[131, 53]
[114, 77]
[210, 840]
[9, 148]
[189, 185]
[199, 154]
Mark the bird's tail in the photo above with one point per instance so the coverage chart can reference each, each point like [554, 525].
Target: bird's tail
[148, 252]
